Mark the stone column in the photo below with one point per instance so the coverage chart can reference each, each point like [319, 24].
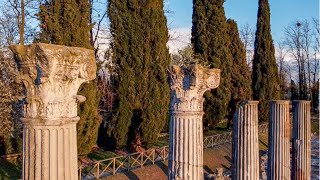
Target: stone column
[279, 141]
[301, 157]
[245, 147]
[188, 85]
[51, 75]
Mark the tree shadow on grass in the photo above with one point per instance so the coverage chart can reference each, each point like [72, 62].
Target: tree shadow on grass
[131, 175]
[263, 143]
[225, 167]
[163, 167]
[228, 159]
[207, 169]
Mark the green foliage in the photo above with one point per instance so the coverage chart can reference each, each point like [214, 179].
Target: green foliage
[87, 127]
[240, 71]
[315, 126]
[294, 91]
[210, 41]
[184, 56]
[68, 23]
[140, 53]
[265, 80]
[65, 23]
[10, 169]
[10, 106]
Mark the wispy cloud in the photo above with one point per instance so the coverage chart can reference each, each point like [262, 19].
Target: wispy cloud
[179, 38]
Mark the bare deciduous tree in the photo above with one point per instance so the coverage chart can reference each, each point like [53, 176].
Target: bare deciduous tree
[283, 69]
[246, 33]
[302, 43]
[10, 108]
[294, 43]
[8, 29]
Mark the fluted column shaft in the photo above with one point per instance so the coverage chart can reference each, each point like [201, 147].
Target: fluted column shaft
[279, 141]
[51, 75]
[301, 157]
[50, 152]
[186, 110]
[245, 147]
[186, 150]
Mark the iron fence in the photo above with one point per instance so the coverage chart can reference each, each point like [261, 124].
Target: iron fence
[114, 165]
[111, 166]
[218, 139]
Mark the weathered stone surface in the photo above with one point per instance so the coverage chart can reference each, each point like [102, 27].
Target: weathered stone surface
[188, 85]
[301, 132]
[219, 174]
[51, 75]
[245, 147]
[279, 141]
[263, 165]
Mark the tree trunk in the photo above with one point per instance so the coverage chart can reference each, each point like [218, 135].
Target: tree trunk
[22, 23]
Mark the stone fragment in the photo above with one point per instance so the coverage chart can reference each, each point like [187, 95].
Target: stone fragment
[219, 174]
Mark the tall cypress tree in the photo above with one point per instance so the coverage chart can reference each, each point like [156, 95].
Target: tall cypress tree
[240, 71]
[210, 41]
[68, 23]
[140, 53]
[265, 80]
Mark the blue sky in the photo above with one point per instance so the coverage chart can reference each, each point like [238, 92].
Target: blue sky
[245, 11]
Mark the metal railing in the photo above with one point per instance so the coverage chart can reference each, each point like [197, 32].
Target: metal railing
[210, 141]
[111, 166]
[218, 139]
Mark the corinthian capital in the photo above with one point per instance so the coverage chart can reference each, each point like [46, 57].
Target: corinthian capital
[52, 75]
[188, 85]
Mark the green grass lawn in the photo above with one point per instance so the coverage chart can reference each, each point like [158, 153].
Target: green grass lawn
[10, 170]
[219, 129]
[100, 155]
[315, 126]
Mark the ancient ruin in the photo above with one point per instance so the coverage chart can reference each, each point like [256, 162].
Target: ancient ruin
[188, 85]
[51, 75]
[301, 134]
[245, 146]
[279, 141]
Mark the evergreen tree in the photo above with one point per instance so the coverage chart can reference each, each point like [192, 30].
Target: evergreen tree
[65, 23]
[265, 80]
[294, 91]
[210, 41]
[68, 23]
[140, 53]
[240, 71]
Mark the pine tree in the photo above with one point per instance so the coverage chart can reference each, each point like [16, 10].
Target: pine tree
[210, 41]
[140, 53]
[240, 71]
[265, 80]
[68, 23]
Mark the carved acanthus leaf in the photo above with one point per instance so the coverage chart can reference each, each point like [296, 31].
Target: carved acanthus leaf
[52, 75]
[188, 85]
